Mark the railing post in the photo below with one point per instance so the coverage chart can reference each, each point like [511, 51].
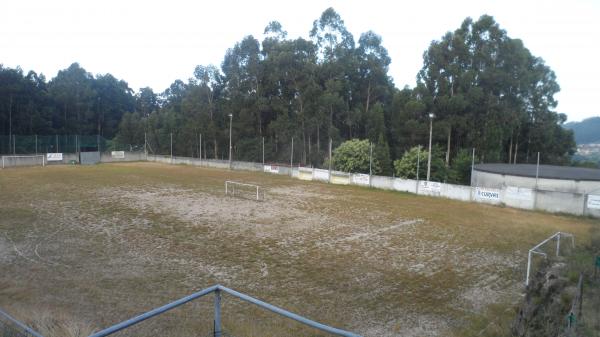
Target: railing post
[217, 322]
[528, 268]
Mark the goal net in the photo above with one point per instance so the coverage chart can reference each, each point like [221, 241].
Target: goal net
[14, 161]
[242, 190]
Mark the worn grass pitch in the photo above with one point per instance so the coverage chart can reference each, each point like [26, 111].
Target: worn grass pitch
[98, 244]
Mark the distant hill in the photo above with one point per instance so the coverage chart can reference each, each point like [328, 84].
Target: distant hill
[586, 131]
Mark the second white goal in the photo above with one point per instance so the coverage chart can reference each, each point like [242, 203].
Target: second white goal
[23, 160]
[243, 190]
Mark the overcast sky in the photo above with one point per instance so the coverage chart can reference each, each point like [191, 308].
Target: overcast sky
[153, 43]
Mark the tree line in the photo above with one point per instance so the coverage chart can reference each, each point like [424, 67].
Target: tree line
[485, 89]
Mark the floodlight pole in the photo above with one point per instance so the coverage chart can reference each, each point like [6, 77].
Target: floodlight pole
[292, 159]
[200, 148]
[263, 151]
[230, 123]
[431, 115]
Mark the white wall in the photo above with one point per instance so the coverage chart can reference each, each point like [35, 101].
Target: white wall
[495, 191]
[497, 180]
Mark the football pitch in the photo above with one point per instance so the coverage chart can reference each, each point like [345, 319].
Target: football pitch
[85, 247]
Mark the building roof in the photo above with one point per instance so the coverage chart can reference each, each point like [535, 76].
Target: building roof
[546, 171]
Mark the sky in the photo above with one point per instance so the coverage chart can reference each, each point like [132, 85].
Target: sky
[153, 43]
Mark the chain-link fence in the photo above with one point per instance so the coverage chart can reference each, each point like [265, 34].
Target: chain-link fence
[257, 149]
[39, 144]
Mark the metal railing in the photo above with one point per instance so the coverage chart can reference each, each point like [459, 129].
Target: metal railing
[218, 332]
[10, 327]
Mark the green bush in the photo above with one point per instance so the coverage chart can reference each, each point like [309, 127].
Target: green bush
[406, 167]
[353, 156]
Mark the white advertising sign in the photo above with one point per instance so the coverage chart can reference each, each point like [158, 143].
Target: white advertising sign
[487, 194]
[319, 174]
[519, 193]
[118, 154]
[430, 186]
[360, 179]
[271, 169]
[593, 201]
[54, 156]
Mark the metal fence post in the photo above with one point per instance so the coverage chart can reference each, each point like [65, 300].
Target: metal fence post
[171, 147]
[528, 268]
[217, 329]
[292, 159]
[370, 163]
[36, 151]
[331, 160]
[418, 166]
[263, 151]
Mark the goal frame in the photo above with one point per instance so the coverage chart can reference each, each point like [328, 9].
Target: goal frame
[535, 250]
[230, 189]
[4, 157]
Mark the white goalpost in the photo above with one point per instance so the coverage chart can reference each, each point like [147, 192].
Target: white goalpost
[243, 190]
[536, 250]
[23, 160]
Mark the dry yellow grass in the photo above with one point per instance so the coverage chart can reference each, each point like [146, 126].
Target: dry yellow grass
[103, 243]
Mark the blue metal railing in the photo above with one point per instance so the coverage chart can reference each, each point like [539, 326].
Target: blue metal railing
[17, 327]
[218, 289]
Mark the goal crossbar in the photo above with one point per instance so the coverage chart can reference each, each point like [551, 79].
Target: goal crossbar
[6, 159]
[535, 250]
[230, 188]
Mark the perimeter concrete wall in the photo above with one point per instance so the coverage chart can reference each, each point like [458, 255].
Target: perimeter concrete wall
[496, 180]
[493, 189]
[518, 192]
[555, 202]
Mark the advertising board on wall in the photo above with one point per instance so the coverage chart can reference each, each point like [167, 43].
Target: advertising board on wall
[271, 168]
[519, 193]
[430, 187]
[593, 201]
[360, 179]
[487, 194]
[305, 173]
[319, 174]
[54, 156]
[118, 154]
